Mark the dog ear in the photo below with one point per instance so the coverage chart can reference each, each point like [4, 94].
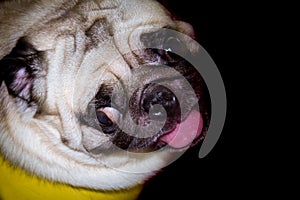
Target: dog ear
[17, 70]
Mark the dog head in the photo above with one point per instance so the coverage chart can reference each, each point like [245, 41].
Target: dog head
[97, 94]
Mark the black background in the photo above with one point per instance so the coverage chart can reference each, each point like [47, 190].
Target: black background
[224, 170]
[252, 158]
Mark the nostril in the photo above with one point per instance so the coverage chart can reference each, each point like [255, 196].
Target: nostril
[155, 95]
[157, 113]
[167, 96]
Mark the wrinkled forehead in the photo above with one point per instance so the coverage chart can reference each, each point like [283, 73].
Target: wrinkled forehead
[99, 20]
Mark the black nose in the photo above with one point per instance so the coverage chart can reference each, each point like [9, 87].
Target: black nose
[154, 95]
[152, 102]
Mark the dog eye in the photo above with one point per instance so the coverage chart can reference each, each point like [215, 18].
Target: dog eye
[103, 119]
[107, 118]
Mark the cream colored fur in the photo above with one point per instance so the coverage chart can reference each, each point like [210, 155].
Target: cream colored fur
[69, 80]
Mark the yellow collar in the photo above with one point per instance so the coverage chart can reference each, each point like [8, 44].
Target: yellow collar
[17, 184]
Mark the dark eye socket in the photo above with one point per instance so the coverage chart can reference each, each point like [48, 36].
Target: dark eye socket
[103, 97]
[165, 43]
[103, 119]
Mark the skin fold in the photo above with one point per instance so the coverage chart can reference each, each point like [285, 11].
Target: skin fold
[66, 65]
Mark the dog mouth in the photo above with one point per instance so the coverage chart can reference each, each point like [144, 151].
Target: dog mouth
[181, 135]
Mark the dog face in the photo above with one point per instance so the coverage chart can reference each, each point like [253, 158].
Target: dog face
[93, 93]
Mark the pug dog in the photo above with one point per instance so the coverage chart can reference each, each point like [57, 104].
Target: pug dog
[97, 94]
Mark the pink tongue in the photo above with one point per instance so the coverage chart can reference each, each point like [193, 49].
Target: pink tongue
[185, 132]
